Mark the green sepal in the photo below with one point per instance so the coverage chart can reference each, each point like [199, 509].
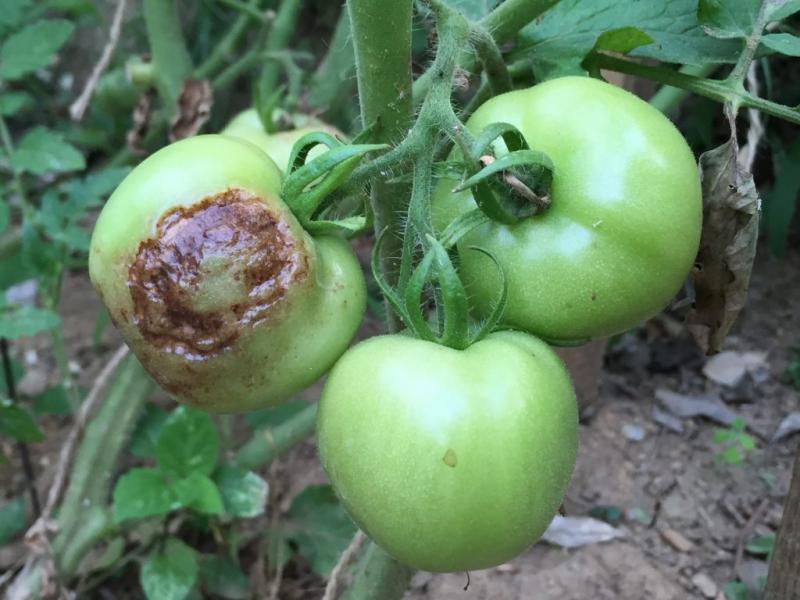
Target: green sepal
[489, 324]
[455, 313]
[512, 187]
[388, 291]
[413, 298]
[309, 186]
[461, 226]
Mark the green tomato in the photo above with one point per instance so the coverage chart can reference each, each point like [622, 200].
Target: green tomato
[225, 299]
[450, 460]
[624, 225]
[247, 126]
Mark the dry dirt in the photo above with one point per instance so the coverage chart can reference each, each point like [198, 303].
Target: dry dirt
[701, 510]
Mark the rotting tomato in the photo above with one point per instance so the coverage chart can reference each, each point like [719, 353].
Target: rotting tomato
[624, 225]
[449, 459]
[247, 126]
[225, 299]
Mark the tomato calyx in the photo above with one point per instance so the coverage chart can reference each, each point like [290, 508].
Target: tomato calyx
[450, 325]
[310, 187]
[511, 187]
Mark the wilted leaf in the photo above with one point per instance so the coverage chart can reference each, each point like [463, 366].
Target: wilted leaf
[687, 406]
[729, 368]
[727, 247]
[169, 574]
[574, 532]
[789, 425]
[194, 109]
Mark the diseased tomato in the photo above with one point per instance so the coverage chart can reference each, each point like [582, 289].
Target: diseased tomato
[225, 299]
[449, 459]
[624, 225]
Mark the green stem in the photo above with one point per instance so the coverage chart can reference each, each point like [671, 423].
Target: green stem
[492, 60]
[382, 43]
[96, 458]
[721, 91]
[503, 23]
[171, 58]
[16, 176]
[224, 50]
[668, 98]
[247, 9]
[512, 15]
[269, 443]
[278, 39]
[333, 79]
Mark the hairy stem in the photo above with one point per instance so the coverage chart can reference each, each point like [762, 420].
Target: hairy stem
[282, 30]
[382, 42]
[269, 443]
[167, 45]
[721, 91]
[668, 98]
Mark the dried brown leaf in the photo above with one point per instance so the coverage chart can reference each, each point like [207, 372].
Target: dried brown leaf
[727, 246]
[194, 109]
[141, 124]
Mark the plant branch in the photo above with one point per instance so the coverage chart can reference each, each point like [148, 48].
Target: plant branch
[27, 465]
[668, 97]
[223, 51]
[268, 443]
[278, 39]
[492, 60]
[171, 58]
[720, 91]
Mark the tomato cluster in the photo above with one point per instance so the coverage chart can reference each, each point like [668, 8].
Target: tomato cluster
[450, 459]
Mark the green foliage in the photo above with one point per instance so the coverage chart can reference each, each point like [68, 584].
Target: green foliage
[32, 47]
[317, 527]
[793, 370]
[780, 202]
[223, 577]
[735, 443]
[12, 519]
[736, 590]
[171, 572]
[244, 493]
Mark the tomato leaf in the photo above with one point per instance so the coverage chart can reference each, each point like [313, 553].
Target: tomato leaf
[13, 12]
[785, 43]
[223, 577]
[319, 527]
[199, 493]
[559, 41]
[188, 443]
[32, 47]
[26, 321]
[142, 493]
[169, 574]
[42, 151]
[12, 519]
[18, 424]
[244, 493]
[728, 18]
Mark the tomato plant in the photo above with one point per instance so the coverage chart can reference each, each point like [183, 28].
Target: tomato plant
[623, 227]
[278, 145]
[450, 459]
[214, 284]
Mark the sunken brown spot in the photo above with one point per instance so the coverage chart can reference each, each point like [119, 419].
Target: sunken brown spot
[227, 238]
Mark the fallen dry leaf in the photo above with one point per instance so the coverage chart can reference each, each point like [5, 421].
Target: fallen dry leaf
[194, 109]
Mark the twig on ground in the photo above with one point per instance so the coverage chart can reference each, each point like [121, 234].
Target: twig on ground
[344, 560]
[78, 108]
[746, 532]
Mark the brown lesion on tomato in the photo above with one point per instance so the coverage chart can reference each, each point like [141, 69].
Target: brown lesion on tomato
[230, 245]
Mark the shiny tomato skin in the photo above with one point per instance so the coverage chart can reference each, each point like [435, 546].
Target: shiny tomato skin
[624, 226]
[451, 460]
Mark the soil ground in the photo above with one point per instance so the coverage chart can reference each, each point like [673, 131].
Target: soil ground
[685, 514]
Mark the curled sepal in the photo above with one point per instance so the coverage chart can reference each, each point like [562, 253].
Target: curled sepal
[461, 226]
[454, 310]
[515, 185]
[487, 325]
[309, 185]
[413, 298]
